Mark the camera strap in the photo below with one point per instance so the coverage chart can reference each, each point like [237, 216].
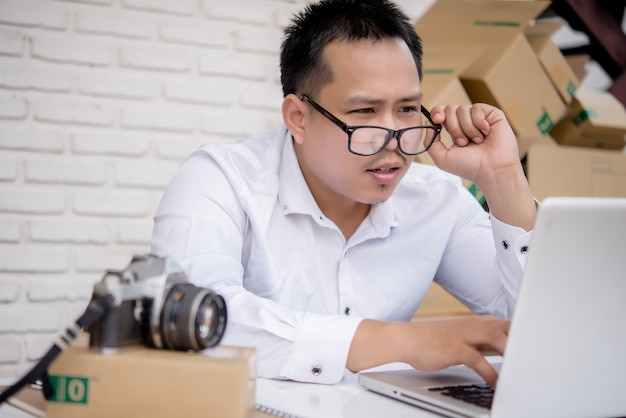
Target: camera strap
[98, 306]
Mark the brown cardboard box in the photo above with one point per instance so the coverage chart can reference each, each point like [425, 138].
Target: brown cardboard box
[439, 303]
[539, 37]
[578, 64]
[147, 382]
[572, 171]
[595, 119]
[508, 73]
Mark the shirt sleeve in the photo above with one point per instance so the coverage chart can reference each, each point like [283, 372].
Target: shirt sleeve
[512, 246]
[201, 224]
[484, 261]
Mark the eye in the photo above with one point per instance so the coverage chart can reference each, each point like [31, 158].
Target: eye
[408, 109]
[363, 111]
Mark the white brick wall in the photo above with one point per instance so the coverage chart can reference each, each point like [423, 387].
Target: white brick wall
[99, 102]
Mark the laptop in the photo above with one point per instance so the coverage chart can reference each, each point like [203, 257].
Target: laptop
[566, 351]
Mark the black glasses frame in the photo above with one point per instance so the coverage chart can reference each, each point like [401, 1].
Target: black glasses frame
[436, 128]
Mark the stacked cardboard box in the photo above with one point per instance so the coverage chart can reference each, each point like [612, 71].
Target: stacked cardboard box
[498, 53]
[589, 158]
[507, 72]
[576, 171]
[595, 119]
[501, 54]
[556, 66]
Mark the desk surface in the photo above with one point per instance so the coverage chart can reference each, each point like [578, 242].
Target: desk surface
[346, 399]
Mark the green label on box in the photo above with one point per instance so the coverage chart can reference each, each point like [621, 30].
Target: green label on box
[571, 88]
[496, 23]
[439, 71]
[69, 389]
[545, 123]
[477, 193]
[581, 117]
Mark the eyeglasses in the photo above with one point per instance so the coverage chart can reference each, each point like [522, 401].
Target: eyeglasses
[369, 140]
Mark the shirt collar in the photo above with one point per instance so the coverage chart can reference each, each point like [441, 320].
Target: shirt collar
[294, 195]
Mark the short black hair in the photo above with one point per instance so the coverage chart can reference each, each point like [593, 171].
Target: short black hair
[301, 64]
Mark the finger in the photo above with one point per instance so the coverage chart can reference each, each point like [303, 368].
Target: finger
[468, 117]
[497, 341]
[437, 114]
[493, 337]
[479, 118]
[454, 123]
[480, 365]
[450, 121]
[438, 151]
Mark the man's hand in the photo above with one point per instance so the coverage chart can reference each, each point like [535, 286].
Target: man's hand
[458, 341]
[484, 151]
[483, 142]
[430, 346]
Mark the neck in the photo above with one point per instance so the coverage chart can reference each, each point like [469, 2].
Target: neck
[347, 216]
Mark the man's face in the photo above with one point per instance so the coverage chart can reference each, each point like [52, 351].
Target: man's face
[373, 83]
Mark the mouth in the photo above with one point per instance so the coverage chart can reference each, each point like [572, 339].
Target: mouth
[384, 170]
[385, 174]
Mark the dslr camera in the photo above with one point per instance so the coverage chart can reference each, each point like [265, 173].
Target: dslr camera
[155, 305]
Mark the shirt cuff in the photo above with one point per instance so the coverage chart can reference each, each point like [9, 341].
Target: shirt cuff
[512, 247]
[321, 349]
[510, 240]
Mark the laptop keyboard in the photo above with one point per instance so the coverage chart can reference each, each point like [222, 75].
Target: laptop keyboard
[477, 394]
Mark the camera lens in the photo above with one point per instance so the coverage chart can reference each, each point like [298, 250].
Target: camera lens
[193, 318]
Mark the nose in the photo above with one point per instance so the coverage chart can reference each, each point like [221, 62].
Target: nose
[393, 141]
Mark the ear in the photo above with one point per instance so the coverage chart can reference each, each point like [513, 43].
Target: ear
[294, 112]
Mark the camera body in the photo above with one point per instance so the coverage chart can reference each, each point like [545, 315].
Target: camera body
[155, 305]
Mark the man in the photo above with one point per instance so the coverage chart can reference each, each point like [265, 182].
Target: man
[324, 236]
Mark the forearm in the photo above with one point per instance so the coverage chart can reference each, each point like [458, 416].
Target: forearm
[376, 343]
[509, 197]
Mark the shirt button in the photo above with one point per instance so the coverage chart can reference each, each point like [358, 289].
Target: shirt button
[524, 249]
[347, 311]
[316, 370]
[505, 244]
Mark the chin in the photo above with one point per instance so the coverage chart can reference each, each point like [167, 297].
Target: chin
[384, 194]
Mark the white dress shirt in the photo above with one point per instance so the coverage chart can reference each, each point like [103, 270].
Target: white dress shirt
[241, 221]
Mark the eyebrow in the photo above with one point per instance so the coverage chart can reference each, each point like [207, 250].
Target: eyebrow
[360, 99]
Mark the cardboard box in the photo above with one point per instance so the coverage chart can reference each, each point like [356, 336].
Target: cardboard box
[578, 64]
[439, 303]
[148, 382]
[571, 171]
[595, 119]
[539, 37]
[507, 74]
[441, 68]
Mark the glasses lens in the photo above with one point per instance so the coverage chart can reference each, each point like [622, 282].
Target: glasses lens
[416, 140]
[368, 141]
